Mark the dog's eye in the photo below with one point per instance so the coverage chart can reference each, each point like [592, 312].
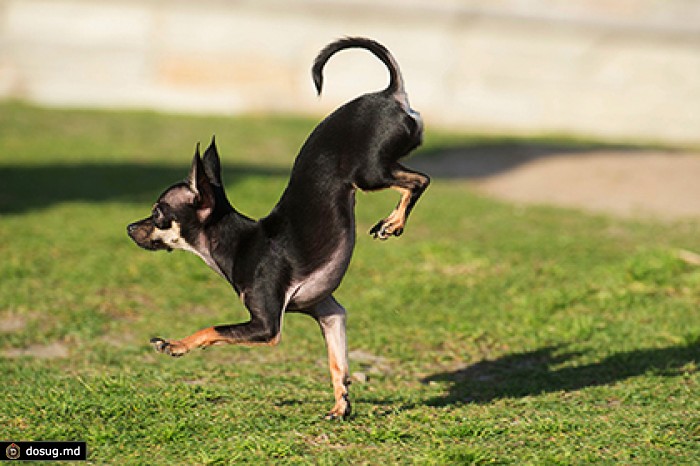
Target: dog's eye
[159, 219]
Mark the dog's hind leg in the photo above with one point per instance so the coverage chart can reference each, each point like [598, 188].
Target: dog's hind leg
[330, 316]
[411, 185]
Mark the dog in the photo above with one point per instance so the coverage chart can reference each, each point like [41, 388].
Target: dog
[294, 258]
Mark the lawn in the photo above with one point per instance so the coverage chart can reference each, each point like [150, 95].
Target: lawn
[488, 333]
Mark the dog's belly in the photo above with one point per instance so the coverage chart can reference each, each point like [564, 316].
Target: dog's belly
[320, 283]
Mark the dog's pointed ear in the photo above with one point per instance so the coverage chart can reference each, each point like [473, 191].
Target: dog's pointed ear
[201, 187]
[196, 169]
[212, 163]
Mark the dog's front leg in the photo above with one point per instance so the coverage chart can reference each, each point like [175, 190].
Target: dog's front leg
[201, 339]
[250, 333]
[330, 316]
[263, 329]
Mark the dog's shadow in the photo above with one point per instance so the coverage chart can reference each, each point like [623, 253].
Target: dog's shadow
[553, 369]
[30, 187]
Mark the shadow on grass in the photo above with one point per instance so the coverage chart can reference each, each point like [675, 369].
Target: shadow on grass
[489, 158]
[26, 187]
[536, 372]
[29, 187]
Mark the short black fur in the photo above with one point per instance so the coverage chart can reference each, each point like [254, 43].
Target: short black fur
[295, 257]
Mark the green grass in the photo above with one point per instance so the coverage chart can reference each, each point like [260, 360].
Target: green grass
[502, 334]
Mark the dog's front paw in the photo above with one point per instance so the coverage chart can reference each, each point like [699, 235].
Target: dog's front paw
[384, 229]
[341, 410]
[170, 347]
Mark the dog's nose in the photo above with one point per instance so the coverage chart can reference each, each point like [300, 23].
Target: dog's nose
[130, 229]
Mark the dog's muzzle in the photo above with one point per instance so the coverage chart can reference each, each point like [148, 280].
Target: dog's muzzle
[140, 232]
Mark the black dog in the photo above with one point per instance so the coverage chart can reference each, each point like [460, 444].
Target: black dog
[293, 259]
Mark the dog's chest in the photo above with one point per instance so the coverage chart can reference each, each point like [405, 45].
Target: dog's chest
[320, 283]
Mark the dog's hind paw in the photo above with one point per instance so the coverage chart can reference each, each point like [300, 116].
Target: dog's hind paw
[169, 347]
[384, 229]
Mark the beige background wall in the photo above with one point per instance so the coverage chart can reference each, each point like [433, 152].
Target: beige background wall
[607, 68]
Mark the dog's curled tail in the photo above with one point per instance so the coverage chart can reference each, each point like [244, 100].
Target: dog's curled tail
[395, 79]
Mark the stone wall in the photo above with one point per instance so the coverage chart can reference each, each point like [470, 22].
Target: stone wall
[605, 68]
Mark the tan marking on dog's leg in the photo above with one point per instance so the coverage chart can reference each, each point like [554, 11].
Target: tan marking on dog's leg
[397, 218]
[411, 185]
[338, 365]
[202, 339]
[331, 318]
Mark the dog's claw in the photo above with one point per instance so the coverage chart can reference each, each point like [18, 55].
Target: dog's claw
[383, 230]
[166, 347]
[378, 231]
[341, 410]
[158, 343]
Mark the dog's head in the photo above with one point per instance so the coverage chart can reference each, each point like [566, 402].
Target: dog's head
[181, 212]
